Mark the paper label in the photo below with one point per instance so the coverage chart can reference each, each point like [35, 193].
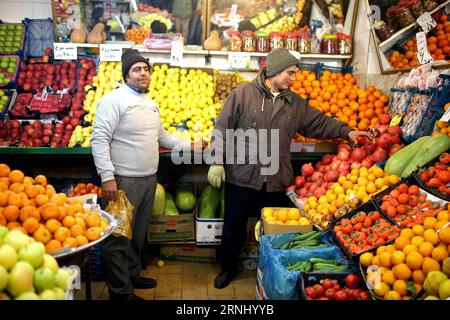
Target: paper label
[65, 51]
[426, 22]
[423, 55]
[176, 53]
[110, 52]
[396, 121]
[233, 10]
[239, 60]
[446, 116]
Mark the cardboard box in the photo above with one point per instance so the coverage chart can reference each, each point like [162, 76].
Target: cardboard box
[208, 231]
[189, 253]
[270, 228]
[169, 228]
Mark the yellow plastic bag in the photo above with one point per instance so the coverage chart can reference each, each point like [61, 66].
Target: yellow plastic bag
[122, 210]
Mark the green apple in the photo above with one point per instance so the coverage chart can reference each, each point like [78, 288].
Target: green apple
[33, 254]
[28, 296]
[16, 239]
[47, 295]
[3, 278]
[62, 279]
[8, 256]
[50, 262]
[44, 279]
[21, 279]
[4, 296]
[3, 65]
[60, 294]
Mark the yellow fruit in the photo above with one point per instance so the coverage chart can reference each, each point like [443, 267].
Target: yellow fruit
[408, 233]
[281, 215]
[390, 248]
[366, 259]
[385, 259]
[388, 277]
[160, 264]
[444, 235]
[392, 295]
[371, 188]
[397, 257]
[418, 230]
[417, 241]
[429, 222]
[401, 242]
[440, 224]
[380, 250]
[429, 264]
[414, 260]
[439, 253]
[294, 214]
[443, 215]
[376, 261]
[267, 212]
[381, 289]
[402, 271]
[431, 236]
[426, 249]
[409, 248]
[400, 287]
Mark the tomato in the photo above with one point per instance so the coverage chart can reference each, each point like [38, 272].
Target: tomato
[347, 228]
[327, 284]
[444, 158]
[357, 226]
[364, 295]
[361, 243]
[336, 229]
[374, 215]
[323, 298]
[425, 176]
[319, 290]
[354, 294]
[352, 281]
[362, 216]
[366, 231]
[413, 190]
[337, 287]
[339, 234]
[329, 293]
[341, 295]
[311, 293]
[402, 188]
[367, 222]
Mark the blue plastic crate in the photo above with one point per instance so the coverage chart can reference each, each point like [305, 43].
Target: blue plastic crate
[39, 36]
[399, 101]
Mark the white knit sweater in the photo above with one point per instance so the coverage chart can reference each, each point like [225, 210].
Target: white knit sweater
[126, 135]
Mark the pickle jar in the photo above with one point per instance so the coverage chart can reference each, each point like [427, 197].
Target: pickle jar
[276, 40]
[290, 41]
[262, 42]
[429, 5]
[344, 43]
[404, 16]
[236, 42]
[382, 30]
[415, 6]
[248, 41]
[329, 44]
[304, 43]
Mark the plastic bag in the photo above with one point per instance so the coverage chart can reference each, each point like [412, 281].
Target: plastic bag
[122, 210]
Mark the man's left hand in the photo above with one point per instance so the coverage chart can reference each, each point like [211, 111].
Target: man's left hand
[199, 145]
[353, 135]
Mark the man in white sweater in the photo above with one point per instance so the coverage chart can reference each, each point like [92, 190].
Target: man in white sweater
[125, 139]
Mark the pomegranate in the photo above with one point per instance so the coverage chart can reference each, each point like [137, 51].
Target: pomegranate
[331, 176]
[316, 176]
[394, 131]
[344, 146]
[385, 141]
[379, 155]
[318, 192]
[358, 154]
[343, 155]
[367, 162]
[299, 181]
[382, 129]
[370, 147]
[327, 159]
[355, 165]
[307, 169]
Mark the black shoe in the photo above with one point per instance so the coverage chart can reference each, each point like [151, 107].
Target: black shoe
[224, 279]
[117, 297]
[143, 283]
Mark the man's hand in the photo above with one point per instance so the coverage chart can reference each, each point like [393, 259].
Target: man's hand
[198, 145]
[109, 190]
[216, 175]
[353, 135]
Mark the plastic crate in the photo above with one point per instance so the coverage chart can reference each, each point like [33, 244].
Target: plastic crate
[398, 102]
[22, 42]
[39, 36]
[12, 84]
[12, 95]
[442, 92]
[433, 191]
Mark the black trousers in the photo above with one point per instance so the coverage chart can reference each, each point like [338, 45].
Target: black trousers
[240, 204]
[121, 257]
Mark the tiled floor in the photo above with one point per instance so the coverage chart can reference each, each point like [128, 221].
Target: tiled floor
[185, 281]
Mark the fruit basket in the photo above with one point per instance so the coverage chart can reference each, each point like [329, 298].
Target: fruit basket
[68, 251]
[424, 176]
[7, 99]
[9, 67]
[12, 38]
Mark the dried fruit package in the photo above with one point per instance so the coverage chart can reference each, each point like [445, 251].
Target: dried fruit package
[122, 210]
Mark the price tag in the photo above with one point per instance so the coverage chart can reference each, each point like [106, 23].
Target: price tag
[423, 55]
[110, 52]
[426, 22]
[239, 60]
[233, 10]
[395, 120]
[65, 51]
[176, 52]
[296, 54]
[446, 116]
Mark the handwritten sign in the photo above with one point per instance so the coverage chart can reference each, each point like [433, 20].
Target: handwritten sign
[65, 51]
[423, 55]
[239, 60]
[233, 10]
[426, 22]
[110, 52]
[176, 52]
[446, 116]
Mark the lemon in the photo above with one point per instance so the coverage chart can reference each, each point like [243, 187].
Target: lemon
[160, 263]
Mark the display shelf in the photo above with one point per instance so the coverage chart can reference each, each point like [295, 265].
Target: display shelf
[389, 43]
[303, 56]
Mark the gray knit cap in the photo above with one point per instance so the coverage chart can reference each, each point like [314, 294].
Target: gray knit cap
[279, 59]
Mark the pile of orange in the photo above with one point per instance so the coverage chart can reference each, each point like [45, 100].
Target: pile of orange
[85, 188]
[137, 35]
[416, 252]
[443, 127]
[33, 207]
[336, 94]
[438, 45]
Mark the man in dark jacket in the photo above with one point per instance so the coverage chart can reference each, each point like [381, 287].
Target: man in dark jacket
[265, 104]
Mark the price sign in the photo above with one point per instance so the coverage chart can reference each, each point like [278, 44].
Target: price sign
[446, 116]
[233, 10]
[65, 51]
[395, 120]
[176, 52]
[426, 22]
[239, 60]
[423, 55]
[110, 52]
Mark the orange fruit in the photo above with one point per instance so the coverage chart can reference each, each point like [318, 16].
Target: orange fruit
[407, 233]
[16, 176]
[426, 249]
[40, 179]
[400, 287]
[53, 245]
[3, 221]
[385, 259]
[49, 211]
[70, 242]
[392, 295]
[62, 233]
[414, 260]
[401, 242]
[42, 235]
[429, 264]
[32, 191]
[59, 199]
[93, 233]
[81, 240]
[52, 225]
[41, 199]
[381, 289]
[4, 170]
[30, 225]
[388, 277]
[402, 271]
[17, 187]
[68, 221]
[429, 222]
[15, 200]
[80, 221]
[418, 276]
[431, 236]
[439, 253]
[93, 220]
[11, 213]
[3, 199]
[417, 241]
[444, 235]
[76, 230]
[50, 191]
[418, 230]
[29, 212]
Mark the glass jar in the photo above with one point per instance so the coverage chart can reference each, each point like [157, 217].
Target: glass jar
[236, 42]
[391, 18]
[415, 6]
[304, 43]
[262, 42]
[276, 40]
[404, 16]
[344, 43]
[248, 41]
[290, 41]
[382, 30]
[329, 44]
[429, 5]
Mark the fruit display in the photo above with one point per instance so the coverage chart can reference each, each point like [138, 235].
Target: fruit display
[185, 97]
[416, 261]
[137, 35]
[9, 132]
[38, 134]
[284, 24]
[336, 94]
[11, 37]
[8, 69]
[4, 98]
[409, 205]
[302, 240]
[166, 204]
[20, 109]
[317, 265]
[33, 207]
[146, 20]
[84, 188]
[264, 17]
[288, 216]
[342, 288]
[225, 82]
[438, 42]
[27, 272]
[299, 14]
[437, 175]
[442, 127]
[437, 285]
